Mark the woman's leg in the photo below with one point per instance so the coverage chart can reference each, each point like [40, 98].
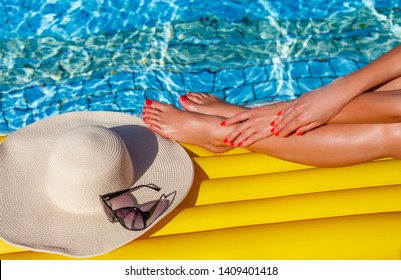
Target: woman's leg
[381, 105]
[336, 144]
[329, 145]
[371, 107]
[209, 104]
[187, 127]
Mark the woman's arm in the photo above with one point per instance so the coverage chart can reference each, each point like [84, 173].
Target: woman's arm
[318, 106]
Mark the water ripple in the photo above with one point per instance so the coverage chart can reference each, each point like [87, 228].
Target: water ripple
[58, 56]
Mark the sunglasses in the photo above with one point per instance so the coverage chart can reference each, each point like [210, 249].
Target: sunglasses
[131, 218]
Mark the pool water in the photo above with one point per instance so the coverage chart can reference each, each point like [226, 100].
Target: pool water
[75, 55]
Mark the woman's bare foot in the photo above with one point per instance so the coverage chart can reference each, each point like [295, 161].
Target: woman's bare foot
[187, 127]
[208, 104]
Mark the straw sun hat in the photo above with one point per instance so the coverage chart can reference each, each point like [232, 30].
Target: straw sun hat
[52, 173]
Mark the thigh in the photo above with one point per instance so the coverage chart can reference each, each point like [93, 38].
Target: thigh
[372, 107]
[391, 85]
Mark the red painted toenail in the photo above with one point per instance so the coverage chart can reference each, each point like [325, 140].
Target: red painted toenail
[272, 130]
[183, 97]
[223, 123]
[225, 141]
[277, 133]
[272, 123]
[232, 144]
[300, 133]
[239, 144]
[148, 102]
[279, 113]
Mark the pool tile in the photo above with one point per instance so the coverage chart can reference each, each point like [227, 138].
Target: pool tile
[159, 95]
[170, 81]
[69, 90]
[130, 101]
[74, 104]
[199, 81]
[276, 71]
[298, 69]
[229, 77]
[240, 95]
[266, 90]
[255, 74]
[99, 99]
[3, 123]
[39, 96]
[121, 81]
[147, 80]
[96, 87]
[41, 113]
[320, 69]
[343, 66]
[17, 118]
[308, 84]
[101, 106]
[287, 89]
[15, 99]
[326, 81]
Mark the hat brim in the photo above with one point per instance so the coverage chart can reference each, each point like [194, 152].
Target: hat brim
[30, 220]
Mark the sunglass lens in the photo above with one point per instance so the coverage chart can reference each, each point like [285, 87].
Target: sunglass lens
[107, 211]
[131, 219]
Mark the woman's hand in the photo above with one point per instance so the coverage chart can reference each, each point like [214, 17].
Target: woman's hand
[252, 125]
[305, 113]
[310, 110]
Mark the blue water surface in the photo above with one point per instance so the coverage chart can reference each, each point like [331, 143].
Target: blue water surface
[75, 55]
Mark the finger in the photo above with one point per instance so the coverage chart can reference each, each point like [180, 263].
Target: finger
[291, 127]
[282, 118]
[302, 130]
[243, 136]
[288, 123]
[252, 139]
[236, 132]
[286, 109]
[236, 118]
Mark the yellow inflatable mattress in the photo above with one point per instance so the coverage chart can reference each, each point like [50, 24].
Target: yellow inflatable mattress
[246, 205]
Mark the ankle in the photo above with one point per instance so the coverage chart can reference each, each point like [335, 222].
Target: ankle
[218, 133]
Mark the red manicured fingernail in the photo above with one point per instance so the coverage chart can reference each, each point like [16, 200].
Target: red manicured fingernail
[277, 133]
[272, 123]
[239, 144]
[223, 123]
[272, 130]
[279, 113]
[183, 97]
[148, 102]
[225, 141]
[300, 133]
